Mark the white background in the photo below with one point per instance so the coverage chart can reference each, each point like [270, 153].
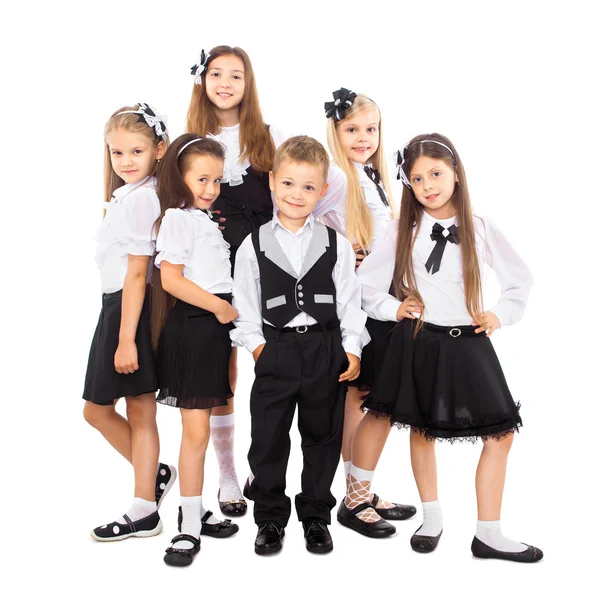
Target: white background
[511, 84]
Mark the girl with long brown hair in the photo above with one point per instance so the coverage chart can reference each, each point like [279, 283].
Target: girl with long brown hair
[121, 362]
[191, 316]
[359, 206]
[440, 376]
[225, 103]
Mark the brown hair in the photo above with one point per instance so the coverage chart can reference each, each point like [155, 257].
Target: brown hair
[359, 221]
[411, 211]
[302, 149]
[255, 139]
[129, 122]
[173, 192]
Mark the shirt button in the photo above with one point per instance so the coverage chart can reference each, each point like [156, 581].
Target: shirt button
[299, 287]
[301, 302]
[243, 206]
[300, 294]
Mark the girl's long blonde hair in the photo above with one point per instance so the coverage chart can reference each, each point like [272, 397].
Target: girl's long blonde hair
[359, 221]
[256, 143]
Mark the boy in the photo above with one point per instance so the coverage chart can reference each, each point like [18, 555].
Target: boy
[298, 300]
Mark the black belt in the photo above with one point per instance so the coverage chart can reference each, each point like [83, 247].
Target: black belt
[453, 331]
[305, 328]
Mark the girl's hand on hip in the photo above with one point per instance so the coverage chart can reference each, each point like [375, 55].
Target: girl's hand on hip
[487, 322]
[409, 306]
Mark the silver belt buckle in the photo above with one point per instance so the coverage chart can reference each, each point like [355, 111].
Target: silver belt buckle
[302, 329]
[454, 329]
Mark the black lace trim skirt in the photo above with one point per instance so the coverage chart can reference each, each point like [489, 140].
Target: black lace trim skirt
[445, 382]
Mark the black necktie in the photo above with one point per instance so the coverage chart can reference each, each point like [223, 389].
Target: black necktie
[373, 175]
[437, 235]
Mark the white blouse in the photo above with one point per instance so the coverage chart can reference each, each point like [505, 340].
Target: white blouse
[248, 330]
[233, 170]
[443, 292]
[188, 237]
[331, 210]
[127, 228]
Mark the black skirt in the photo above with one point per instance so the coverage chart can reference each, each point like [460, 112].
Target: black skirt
[373, 353]
[192, 359]
[103, 385]
[445, 382]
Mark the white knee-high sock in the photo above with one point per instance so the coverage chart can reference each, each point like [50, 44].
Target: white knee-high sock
[139, 509]
[433, 522]
[222, 430]
[489, 533]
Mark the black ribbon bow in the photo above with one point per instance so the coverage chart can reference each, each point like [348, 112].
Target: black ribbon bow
[437, 235]
[375, 177]
[199, 68]
[343, 99]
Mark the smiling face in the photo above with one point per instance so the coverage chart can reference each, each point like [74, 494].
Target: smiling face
[133, 155]
[225, 82]
[359, 135]
[296, 187]
[203, 178]
[433, 183]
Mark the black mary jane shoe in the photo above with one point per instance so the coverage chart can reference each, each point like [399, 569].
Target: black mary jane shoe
[377, 529]
[178, 557]
[530, 555]
[233, 508]
[222, 529]
[115, 532]
[318, 538]
[424, 543]
[399, 512]
[268, 539]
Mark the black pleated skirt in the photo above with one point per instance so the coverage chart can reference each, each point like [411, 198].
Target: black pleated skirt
[103, 385]
[373, 353]
[445, 382]
[192, 359]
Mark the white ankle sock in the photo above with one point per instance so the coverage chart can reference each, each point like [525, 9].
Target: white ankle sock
[191, 510]
[433, 522]
[139, 509]
[489, 533]
[222, 430]
[359, 491]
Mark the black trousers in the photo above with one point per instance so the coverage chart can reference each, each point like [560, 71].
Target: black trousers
[303, 369]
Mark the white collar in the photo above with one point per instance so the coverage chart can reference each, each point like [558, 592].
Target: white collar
[427, 218]
[121, 192]
[310, 221]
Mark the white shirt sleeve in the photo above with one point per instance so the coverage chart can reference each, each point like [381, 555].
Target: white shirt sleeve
[331, 209]
[248, 331]
[375, 275]
[352, 318]
[136, 229]
[175, 240]
[513, 275]
[278, 136]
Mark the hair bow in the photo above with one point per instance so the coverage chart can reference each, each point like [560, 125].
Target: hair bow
[343, 99]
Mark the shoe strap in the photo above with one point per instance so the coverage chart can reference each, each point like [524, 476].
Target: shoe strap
[207, 515]
[129, 522]
[184, 537]
[360, 508]
[375, 500]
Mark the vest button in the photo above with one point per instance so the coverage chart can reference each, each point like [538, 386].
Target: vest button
[300, 294]
[299, 286]
[301, 302]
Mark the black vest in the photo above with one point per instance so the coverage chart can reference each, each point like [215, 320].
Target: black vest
[285, 294]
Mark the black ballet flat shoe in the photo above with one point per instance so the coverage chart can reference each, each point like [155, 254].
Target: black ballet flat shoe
[178, 557]
[269, 537]
[233, 508]
[530, 555]
[318, 538]
[222, 529]
[424, 543]
[165, 478]
[377, 529]
[399, 512]
[115, 532]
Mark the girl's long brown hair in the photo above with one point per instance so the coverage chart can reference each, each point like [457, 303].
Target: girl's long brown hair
[359, 221]
[173, 192]
[411, 211]
[129, 122]
[255, 139]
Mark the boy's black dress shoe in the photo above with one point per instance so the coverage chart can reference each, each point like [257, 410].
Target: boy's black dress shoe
[318, 538]
[530, 555]
[377, 529]
[399, 512]
[424, 543]
[268, 538]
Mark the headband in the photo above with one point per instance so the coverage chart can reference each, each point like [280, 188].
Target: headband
[148, 116]
[400, 159]
[343, 100]
[198, 69]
